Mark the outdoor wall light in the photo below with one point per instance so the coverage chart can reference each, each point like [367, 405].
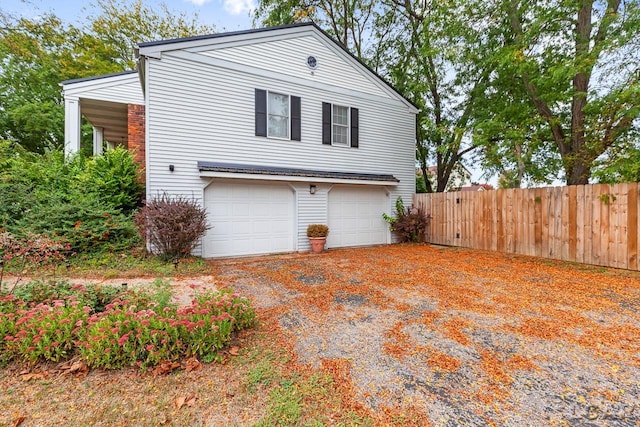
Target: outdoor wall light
[312, 189]
[171, 168]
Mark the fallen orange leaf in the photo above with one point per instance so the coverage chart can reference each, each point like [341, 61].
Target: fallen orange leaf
[188, 400]
[166, 367]
[192, 364]
[29, 377]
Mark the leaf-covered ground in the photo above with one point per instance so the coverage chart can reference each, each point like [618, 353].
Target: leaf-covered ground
[404, 335]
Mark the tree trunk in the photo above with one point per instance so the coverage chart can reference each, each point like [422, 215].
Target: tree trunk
[578, 172]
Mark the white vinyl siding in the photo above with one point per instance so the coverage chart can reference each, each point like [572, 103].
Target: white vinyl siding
[311, 208]
[332, 68]
[123, 89]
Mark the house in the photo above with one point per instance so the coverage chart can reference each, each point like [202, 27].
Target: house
[477, 187]
[460, 177]
[270, 129]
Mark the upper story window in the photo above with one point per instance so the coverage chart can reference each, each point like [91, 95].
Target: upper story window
[340, 125]
[277, 115]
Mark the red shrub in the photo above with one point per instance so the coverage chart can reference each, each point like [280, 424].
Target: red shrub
[172, 225]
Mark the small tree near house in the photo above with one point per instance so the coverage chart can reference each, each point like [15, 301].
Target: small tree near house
[172, 225]
[410, 224]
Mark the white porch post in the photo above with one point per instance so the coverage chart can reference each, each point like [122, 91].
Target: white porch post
[71, 126]
[98, 137]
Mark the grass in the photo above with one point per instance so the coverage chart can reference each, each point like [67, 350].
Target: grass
[261, 386]
[132, 264]
[293, 398]
[285, 405]
[109, 265]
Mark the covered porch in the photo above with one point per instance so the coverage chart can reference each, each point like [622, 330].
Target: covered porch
[113, 104]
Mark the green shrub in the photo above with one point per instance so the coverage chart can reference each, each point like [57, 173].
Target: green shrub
[85, 202]
[47, 331]
[126, 335]
[86, 224]
[96, 297]
[115, 179]
[9, 306]
[37, 292]
[226, 301]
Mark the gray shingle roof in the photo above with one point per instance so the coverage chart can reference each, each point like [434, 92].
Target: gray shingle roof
[270, 170]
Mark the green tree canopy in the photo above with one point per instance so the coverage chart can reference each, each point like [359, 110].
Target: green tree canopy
[568, 73]
[37, 54]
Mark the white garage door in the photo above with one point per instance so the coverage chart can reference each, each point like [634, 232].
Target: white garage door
[355, 216]
[248, 218]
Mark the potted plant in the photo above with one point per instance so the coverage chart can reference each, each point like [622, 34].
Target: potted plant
[317, 234]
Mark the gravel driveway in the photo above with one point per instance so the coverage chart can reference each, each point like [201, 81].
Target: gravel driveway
[459, 337]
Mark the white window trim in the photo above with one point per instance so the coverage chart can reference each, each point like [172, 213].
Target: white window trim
[348, 126]
[288, 137]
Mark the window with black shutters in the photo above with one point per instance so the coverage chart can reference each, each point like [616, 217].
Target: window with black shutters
[340, 125]
[277, 115]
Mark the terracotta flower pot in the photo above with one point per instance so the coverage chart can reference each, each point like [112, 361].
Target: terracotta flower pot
[317, 244]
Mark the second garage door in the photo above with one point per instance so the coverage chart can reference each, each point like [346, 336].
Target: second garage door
[355, 216]
[248, 219]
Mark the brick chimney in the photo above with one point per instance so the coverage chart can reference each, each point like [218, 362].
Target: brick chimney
[136, 136]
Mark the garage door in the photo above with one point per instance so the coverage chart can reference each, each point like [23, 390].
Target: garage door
[355, 216]
[248, 218]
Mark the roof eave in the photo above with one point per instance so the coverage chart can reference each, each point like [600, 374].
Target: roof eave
[228, 170]
[93, 78]
[155, 48]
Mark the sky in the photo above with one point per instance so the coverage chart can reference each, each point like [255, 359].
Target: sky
[226, 15]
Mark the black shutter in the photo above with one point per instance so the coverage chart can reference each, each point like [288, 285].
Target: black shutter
[355, 135]
[326, 123]
[261, 112]
[295, 118]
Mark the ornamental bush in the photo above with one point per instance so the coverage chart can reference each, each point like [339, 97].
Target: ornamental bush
[410, 224]
[47, 332]
[137, 328]
[115, 179]
[172, 225]
[317, 230]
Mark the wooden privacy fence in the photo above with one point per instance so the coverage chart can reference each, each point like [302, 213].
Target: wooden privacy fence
[592, 224]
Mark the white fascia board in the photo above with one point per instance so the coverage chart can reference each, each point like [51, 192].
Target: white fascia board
[85, 89]
[100, 83]
[289, 178]
[221, 41]
[222, 63]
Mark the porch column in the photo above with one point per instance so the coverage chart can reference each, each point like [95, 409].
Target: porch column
[71, 126]
[98, 138]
